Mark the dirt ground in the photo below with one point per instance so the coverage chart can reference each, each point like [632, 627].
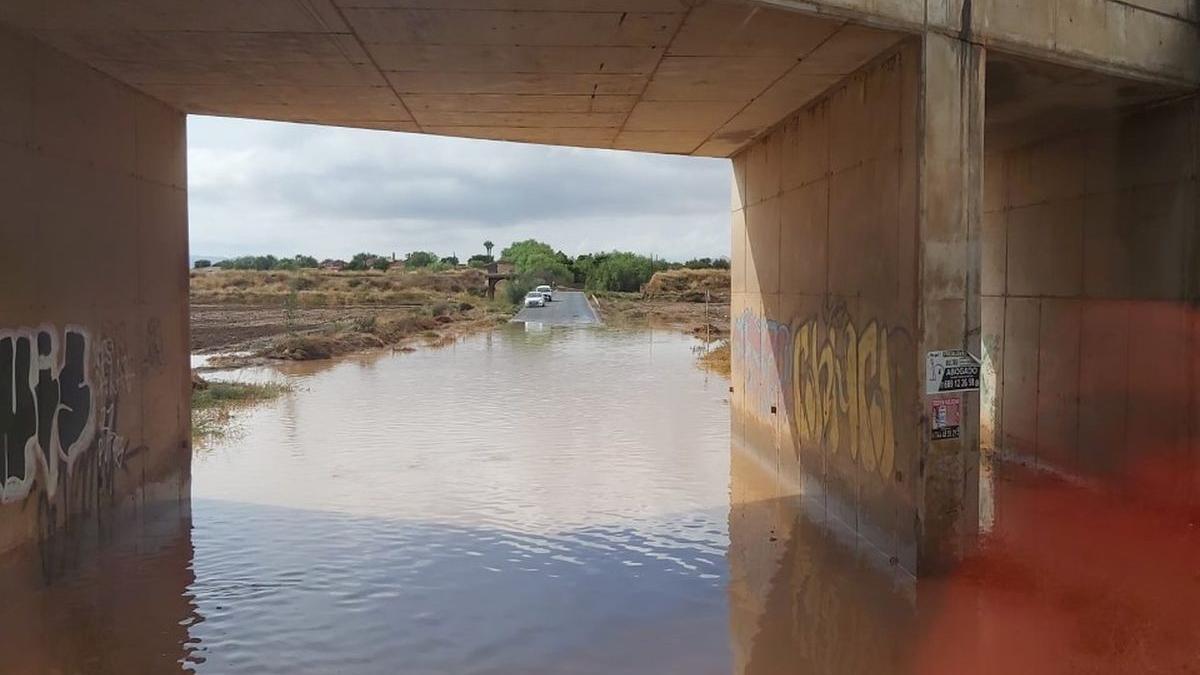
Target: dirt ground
[248, 335]
[631, 310]
[261, 315]
[228, 328]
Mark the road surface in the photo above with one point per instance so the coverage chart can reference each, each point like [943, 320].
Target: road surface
[569, 308]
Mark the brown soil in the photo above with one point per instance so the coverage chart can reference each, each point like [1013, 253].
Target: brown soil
[630, 309]
[262, 316]
[342, 312]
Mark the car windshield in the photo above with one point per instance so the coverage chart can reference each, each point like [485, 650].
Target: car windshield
[533, 294]
[543, 289]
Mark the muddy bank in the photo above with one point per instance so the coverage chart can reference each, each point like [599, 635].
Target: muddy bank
[313, 314]
[632, 310]
[258, 334]
[692, 301]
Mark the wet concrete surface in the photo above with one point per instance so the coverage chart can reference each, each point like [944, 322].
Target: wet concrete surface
[568, 308]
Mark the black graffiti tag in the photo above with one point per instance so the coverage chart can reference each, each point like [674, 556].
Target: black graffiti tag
[18, 415]
[41, 395]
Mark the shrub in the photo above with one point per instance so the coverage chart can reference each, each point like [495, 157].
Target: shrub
[366, 324]
[620, 271]
[419, 259]
[364, 261]
[514, 290]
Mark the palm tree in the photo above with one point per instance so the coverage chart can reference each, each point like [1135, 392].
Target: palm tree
[488, 245]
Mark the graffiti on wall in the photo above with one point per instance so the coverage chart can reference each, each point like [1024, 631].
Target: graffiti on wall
[833, 379]
[843, 390]
[58, 400]
[764, 352]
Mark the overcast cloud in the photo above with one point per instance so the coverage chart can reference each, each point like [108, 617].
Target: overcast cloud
[268, 187]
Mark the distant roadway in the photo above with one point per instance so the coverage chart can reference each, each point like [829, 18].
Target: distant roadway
[569, 308]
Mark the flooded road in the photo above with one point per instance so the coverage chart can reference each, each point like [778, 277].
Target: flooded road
[522, 502]
[569, 501]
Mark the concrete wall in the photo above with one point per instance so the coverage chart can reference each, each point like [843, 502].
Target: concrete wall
[823, 277]
[1153, 39]
[1090, 285]
[94, 386]
[852, 257]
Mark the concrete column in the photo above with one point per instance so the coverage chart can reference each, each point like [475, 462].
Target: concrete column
[951, 211]
[854, 255]
[94, 386]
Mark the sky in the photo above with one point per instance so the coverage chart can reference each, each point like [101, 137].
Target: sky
[270, 187]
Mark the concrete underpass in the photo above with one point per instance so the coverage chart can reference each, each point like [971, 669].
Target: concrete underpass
[1015, 180]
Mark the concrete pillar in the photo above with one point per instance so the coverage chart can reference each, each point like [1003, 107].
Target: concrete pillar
[854, 255]
[94, 386]
[951, 193]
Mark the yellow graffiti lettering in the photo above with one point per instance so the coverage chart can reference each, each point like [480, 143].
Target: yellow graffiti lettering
[842, 393]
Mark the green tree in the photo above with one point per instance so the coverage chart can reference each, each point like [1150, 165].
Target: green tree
[620, 271]
[382, 264]
[488, 245]
[536, 262]
[250, 262]
[361, 261]
[479, 260]
[583, 267]
[450, 260]
[420, 259]
[707, 264]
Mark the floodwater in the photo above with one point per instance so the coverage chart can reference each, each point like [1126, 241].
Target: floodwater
[542, 501]
[569, 501]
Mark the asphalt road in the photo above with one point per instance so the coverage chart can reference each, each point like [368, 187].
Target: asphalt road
[569, 308]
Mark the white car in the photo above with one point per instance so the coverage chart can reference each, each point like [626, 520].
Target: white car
[535, 299]
[546, 291]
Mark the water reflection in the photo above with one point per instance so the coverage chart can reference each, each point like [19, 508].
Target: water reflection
[127, 610]
[803, 598]
[1071, 579]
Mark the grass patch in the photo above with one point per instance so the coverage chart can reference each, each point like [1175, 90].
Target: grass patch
[213, 406]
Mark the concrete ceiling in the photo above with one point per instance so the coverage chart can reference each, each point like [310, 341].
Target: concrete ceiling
[676, 76]
[1029, 99]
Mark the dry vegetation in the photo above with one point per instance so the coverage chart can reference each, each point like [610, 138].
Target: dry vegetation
[674, 300]
[316, 314]
[322, 288]
[686, 285]
[717, 359]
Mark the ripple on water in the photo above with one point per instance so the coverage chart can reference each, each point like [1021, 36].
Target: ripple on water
[519, 502]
